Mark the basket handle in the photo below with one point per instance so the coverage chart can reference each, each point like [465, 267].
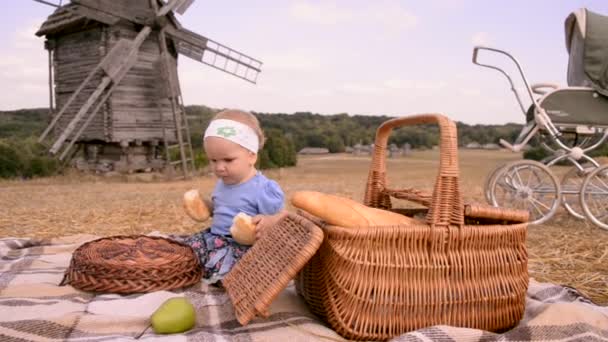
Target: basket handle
[446, 206]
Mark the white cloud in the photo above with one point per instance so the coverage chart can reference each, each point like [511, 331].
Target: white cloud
[322, 92]
[361, 88]
[38, 88]
[24, 69]
[450, 4]
[430, 85]
[392, 17]
[398, 84]
[293, 61]
[470, 91]
[392, 85]
[323, 14]
[25, 37]
[7, 61]
[481, 38]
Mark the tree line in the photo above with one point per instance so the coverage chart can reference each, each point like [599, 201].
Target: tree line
[286, 134]
[338, 131]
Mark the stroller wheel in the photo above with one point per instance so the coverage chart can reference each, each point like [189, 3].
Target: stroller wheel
[594, 197]
[487, 190]
[571, 185]
[527, 185]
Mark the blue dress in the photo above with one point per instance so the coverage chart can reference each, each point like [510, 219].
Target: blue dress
[216, 249]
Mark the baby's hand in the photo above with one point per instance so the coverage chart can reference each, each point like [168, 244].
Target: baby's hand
[263, 222]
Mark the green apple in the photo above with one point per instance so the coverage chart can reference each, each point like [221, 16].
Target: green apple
[175, 315]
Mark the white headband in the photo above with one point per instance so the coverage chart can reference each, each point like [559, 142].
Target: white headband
[234, 131]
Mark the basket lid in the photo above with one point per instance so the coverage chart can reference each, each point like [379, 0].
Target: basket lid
[270, 264]
[130, 264]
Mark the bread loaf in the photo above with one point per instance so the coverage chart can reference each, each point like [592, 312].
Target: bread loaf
[195, 207]
[344, 212]
[243, 230]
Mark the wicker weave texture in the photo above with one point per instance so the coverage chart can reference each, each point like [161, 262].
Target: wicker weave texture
[270, 264]
[132, 264]
[379, 282]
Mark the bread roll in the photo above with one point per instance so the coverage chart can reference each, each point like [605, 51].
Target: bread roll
[344, 212]
[243, 230]
[195, 207]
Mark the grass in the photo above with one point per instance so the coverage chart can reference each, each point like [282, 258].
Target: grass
[565, 250]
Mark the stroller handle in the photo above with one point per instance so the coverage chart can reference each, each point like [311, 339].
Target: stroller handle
[475, 50]
[519, 68]
[540, 115]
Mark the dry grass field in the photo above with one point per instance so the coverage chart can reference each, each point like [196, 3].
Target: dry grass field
[564, 251]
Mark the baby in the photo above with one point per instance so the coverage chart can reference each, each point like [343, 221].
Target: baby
[232, 141]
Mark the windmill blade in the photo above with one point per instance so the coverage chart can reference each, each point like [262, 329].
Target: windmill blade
[49, 3]
[123, 55]
[214, 54]
[136, 11]
[83, 110]
[181, 5]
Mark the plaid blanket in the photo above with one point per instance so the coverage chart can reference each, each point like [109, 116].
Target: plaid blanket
[34, 308]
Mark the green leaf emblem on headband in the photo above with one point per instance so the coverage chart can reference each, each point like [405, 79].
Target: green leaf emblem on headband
[226, 131]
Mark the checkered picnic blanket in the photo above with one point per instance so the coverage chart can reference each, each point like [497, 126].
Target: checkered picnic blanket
[34, 308]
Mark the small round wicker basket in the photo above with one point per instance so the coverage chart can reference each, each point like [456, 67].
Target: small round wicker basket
[132, 264]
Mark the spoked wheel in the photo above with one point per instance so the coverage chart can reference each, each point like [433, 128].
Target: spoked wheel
[527, 185]
[571, 185]
[594, 197]
[487, 189]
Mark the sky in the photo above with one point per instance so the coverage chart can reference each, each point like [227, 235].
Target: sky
[359, 57]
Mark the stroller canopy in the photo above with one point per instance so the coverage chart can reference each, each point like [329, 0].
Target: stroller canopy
[587, 45]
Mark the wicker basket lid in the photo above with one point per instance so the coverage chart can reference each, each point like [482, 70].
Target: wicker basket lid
[131, 264]
[270, 264]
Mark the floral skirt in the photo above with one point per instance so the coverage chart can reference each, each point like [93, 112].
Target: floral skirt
[217, 253]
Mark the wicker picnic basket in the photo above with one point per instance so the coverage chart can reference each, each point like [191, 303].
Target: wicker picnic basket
[132, 264]
[465, 266]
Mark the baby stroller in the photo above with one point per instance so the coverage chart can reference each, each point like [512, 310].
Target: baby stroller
[568, 122]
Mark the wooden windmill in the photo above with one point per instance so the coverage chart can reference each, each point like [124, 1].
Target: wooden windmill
[114, 89]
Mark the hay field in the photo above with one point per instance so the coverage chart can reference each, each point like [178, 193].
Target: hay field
[565, 251]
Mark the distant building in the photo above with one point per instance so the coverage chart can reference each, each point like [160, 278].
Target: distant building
[477, 146]
[407, 149]
[491, 147]
[314, 150]
[396, 151]
[360, 149]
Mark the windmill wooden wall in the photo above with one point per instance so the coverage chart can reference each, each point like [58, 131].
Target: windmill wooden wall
[75, 55]
[133, 111]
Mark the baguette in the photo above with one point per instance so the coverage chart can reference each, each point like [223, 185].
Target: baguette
[344, 212]
[243, 230]
[195, 207]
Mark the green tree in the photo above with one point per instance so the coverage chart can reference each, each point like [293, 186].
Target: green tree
[25, 158]
[334, 143]
[278, 151]
[10, 163]
[264, 162]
